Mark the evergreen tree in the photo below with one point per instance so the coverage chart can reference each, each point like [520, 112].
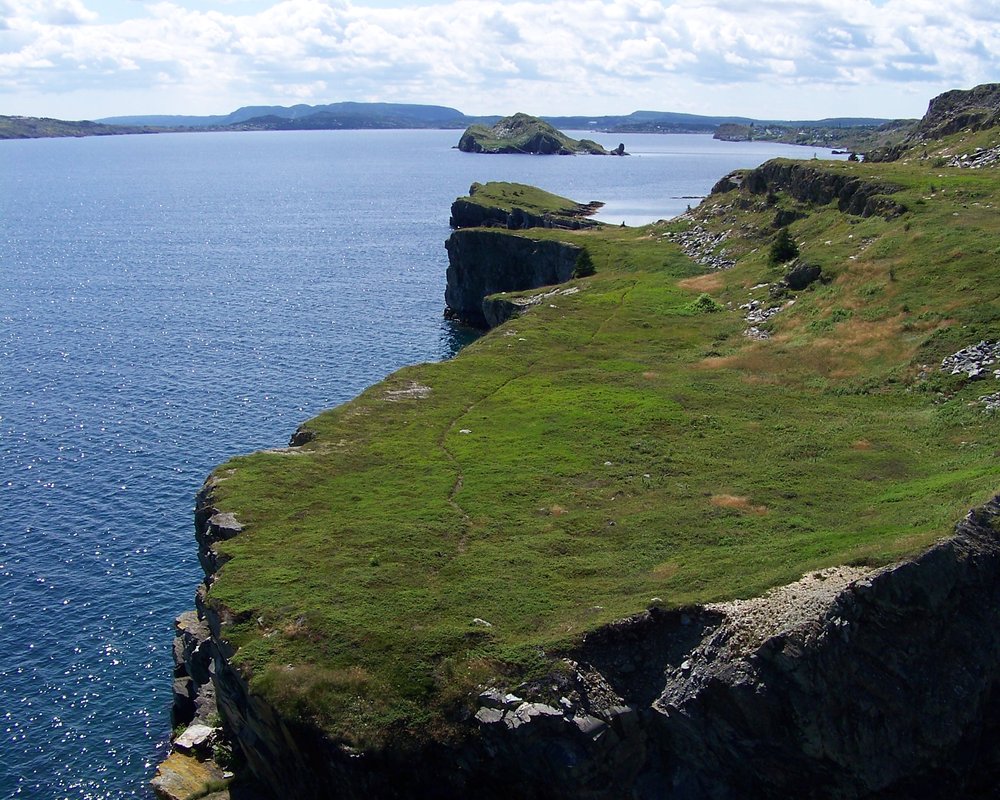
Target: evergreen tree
[784, 248]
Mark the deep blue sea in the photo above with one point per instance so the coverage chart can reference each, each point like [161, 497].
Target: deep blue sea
[169, 301]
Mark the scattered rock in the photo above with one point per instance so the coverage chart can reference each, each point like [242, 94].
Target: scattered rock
[702, 246]
[990, 402]
[974, 360]
[489, 716]
[978, 159]
[411, 391]
[757, 313]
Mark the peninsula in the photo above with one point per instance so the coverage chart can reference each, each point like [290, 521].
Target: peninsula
[692, 522]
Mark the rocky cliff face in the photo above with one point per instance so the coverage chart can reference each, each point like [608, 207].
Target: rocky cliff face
[960, 109]
[888, 690]
[467, 214]
[953, 111]
[482, 262]
[851, 683]
[810, 185]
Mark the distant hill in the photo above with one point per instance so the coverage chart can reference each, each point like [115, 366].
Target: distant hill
[675, 122]
[646, 122]
[298, 117]
[372, 116]
[44, 128]
[352, 115]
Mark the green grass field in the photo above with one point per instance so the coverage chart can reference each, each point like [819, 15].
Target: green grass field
[621, 444]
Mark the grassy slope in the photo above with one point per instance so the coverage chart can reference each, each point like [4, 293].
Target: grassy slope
[621, 447]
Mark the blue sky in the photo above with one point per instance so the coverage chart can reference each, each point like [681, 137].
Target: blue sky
[78, 59]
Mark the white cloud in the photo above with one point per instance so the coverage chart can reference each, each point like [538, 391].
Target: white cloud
[487, 56]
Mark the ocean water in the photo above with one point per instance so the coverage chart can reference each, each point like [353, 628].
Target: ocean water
[169, 301]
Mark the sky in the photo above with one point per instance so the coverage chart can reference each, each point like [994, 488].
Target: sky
[788, 59]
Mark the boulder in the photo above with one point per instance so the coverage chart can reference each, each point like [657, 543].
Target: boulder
[801, 275]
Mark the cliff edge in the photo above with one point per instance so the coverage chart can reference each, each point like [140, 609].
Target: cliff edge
[685, 529]
[486, 257]
[830, 687]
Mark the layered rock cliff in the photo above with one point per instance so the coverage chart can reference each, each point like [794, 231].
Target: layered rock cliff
[956, 110]
[851, 683]
[810, 185]
[484, 262]
[468, 214]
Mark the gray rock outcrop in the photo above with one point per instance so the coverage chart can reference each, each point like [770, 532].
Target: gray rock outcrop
[976, 361]
[956, 110]
[483, 262]
[809, 184]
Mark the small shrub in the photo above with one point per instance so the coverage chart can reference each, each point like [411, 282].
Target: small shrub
[584, 265]
[870, 291]
[783, 248]
[705, 304]
[222, 754]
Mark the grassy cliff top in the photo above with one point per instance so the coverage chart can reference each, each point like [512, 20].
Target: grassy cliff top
[627, 444]
[508, 196]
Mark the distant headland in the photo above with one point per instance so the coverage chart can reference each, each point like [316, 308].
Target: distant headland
[855, 133]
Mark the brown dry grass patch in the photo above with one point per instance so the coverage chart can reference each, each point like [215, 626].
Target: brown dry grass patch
[557, 511]
[737, 502]
[717, 362]
[858, 333]
[861, 444]
[665, 571]
[711, 282]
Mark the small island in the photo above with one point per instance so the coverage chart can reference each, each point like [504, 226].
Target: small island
[522, 133]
